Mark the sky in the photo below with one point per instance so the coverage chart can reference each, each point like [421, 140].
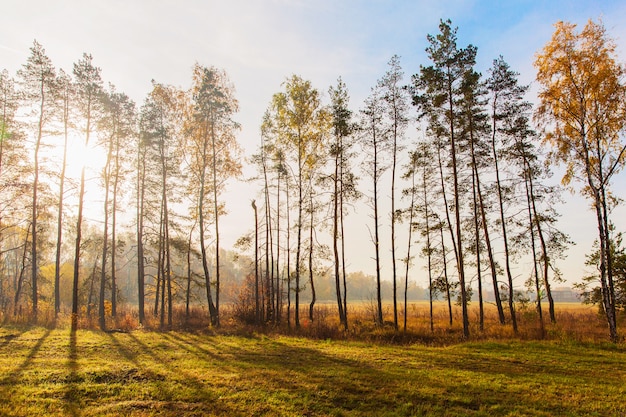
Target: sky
[260, 43]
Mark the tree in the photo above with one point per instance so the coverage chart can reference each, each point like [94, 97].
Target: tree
[39, 87]
[299, 122]
[473, 129]
[412, 172]
[394, 97]
[438, 90]
[89, 93]
[506, 104]
[374, 141]
[66, 95]
[512, 142]
[583, 108]
[344, 189]
[160, 127]
[116, 126]
[216, 151]
[13, 233]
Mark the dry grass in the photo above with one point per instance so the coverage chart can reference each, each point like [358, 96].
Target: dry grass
[575, 322]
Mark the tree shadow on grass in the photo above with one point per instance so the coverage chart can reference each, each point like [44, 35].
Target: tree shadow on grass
[12, 379]
[170, 389]
[278, 377]
[72, 396]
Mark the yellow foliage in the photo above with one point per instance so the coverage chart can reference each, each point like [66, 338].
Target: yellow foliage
[582, 101]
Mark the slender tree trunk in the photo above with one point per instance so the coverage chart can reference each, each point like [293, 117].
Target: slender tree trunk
[299, 238]
[57, 263]
[167, 262]
[141, 178]
[444, 195]
[105, 245]
[269, 254]
[216, 319]
[393, 231]
[597, 191]
[336, 237]
[278, 307]
[114, 232]
[607, 231]
[445, 275]
[268, 279]
[429, 253]
[288, 210]
[205, 266]
[531, 221]
[34, 225]
[343, 246]
[160, 275]
[492, 261]
[507, 256]
[92, 280]
[379, 301]
[189, 274]
[457, 213]
[20, 280]
[79, 224]
[542, 242]
[408, 247]
[257, 310]
[479, 275]
[313, 295]
[157, 297]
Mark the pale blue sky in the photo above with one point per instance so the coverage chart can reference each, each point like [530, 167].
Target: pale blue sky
[261, 42]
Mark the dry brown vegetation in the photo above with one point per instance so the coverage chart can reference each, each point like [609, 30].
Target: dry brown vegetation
[575, 322]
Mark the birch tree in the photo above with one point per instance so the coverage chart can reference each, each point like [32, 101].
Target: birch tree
[583, 107]
[299, 121]
[214, 160]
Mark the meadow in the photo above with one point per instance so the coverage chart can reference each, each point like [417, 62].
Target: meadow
[244, 372]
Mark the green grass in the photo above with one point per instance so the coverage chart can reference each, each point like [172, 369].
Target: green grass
[91, 373]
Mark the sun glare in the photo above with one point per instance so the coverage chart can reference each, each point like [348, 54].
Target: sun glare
[92, 157]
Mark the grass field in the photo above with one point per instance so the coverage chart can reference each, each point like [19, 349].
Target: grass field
[146, 373]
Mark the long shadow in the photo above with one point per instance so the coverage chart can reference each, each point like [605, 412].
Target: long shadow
[7, 338]
[288, 371]
[166, 386]
[8, 383]
[191, 347]
[14, 376]
[72, 394]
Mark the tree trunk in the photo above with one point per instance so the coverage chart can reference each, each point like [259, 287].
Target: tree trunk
[336, 236]
[445, 275]
[479, 277]
[141, 178]
[116, 178]
[205, 266]
[507, 256]
[216, 320]
[57, 263]
[313, 295]
[299, 238]
[105, 245]
[257, 310]
[379, 301]
[534, 253]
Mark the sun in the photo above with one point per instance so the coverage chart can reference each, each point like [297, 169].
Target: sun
[80, 155]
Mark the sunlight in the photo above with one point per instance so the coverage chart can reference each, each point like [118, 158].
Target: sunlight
[79, 155]
[92, 158]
